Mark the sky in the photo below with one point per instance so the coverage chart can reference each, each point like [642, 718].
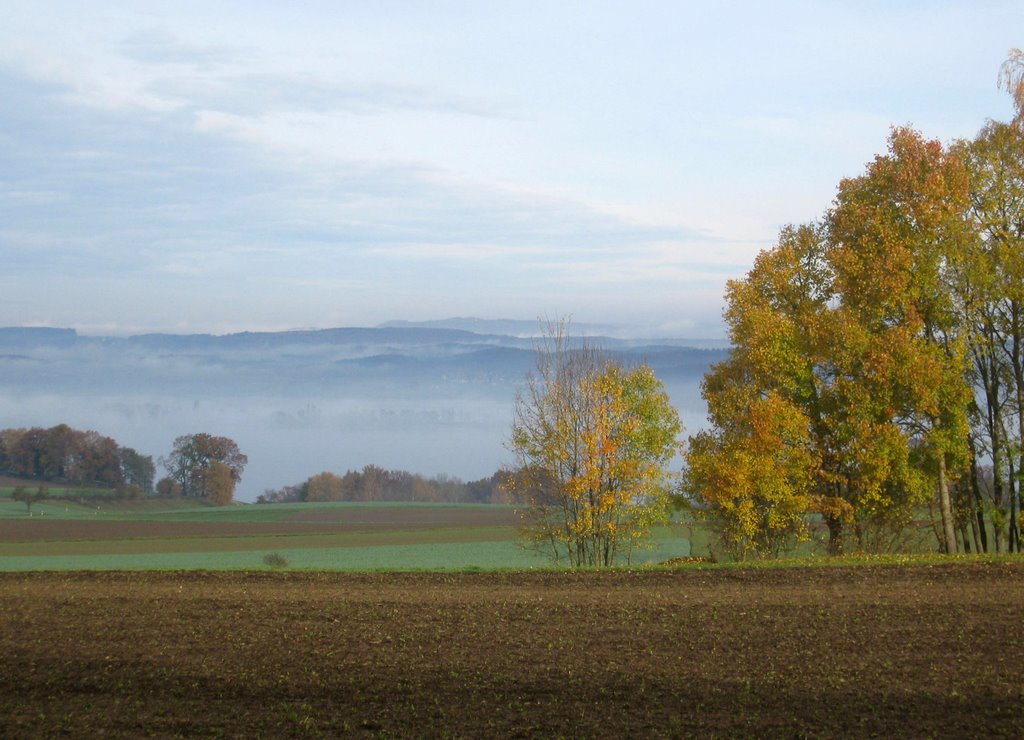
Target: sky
[232, 166]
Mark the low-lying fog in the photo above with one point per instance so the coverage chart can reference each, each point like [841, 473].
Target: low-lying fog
[430, 402]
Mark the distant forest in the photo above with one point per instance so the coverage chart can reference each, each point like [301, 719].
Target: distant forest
[373, 483]
[61, 454]
[67, 456]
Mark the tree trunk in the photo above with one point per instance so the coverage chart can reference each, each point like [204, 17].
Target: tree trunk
[976, 504]
[1017, 361]
[965, 537]
[1013, 536]
[835, 535]
[948, 530]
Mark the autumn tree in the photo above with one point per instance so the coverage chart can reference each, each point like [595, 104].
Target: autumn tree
[25, 452]
[193, 456]
[324, 486]
[69, 455]
[390, 485]
[899, 233]
[97, 460]
[754, 477]
[29, 497]
[137, 469]
[1011, 79]
[791, 433]
[765, 462]
[845, 394]
[59, 452]
[167, 487]
[992, 289]
[218, 481]
[592, 442]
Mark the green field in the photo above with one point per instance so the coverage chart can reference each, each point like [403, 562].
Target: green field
[105, 533]
[446, 556]
[159, 534]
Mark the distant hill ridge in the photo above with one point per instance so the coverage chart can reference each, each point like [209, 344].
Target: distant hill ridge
[422, 398]
[23, 337]
[383, 362]
[31, 336]
[508, 333]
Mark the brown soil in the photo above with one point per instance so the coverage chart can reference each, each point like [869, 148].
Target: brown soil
[880, 651]
[320, 521]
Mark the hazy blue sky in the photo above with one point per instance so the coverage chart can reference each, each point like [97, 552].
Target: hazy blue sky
[198, 166]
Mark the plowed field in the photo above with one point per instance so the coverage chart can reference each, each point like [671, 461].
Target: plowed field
[913, 651]
[313, 521]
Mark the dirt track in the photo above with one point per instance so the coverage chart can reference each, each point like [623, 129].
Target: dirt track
[864, 651]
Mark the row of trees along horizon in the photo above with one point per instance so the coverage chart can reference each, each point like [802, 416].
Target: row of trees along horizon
[876, 375]
[199, 465]
[205, 467]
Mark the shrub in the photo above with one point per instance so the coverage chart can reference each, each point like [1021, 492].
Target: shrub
[275, 560]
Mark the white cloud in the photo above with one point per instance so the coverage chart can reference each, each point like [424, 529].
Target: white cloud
[459, 157]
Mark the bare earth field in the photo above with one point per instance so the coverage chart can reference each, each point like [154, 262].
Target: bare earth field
[314, 521]
[856, 651]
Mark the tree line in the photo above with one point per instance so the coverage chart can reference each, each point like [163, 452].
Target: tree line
[374, 483]
[199, 465]
[877, 363]
[65, 455]
[208, 467]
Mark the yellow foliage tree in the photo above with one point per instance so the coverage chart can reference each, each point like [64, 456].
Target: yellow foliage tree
[1011, 79]
[757, 477]
[219, 482]
[845, 392]
[325, 486]
[592, 442]
[899, 236]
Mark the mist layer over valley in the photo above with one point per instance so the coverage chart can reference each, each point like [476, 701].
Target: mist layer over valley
[422, 398]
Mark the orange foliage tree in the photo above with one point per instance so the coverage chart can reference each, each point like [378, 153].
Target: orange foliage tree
[845, 394]
[900, 234]
[878, 358]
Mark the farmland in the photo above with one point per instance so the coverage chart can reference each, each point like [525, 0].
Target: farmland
[161, 617]
[159, 534]
[872, 650]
